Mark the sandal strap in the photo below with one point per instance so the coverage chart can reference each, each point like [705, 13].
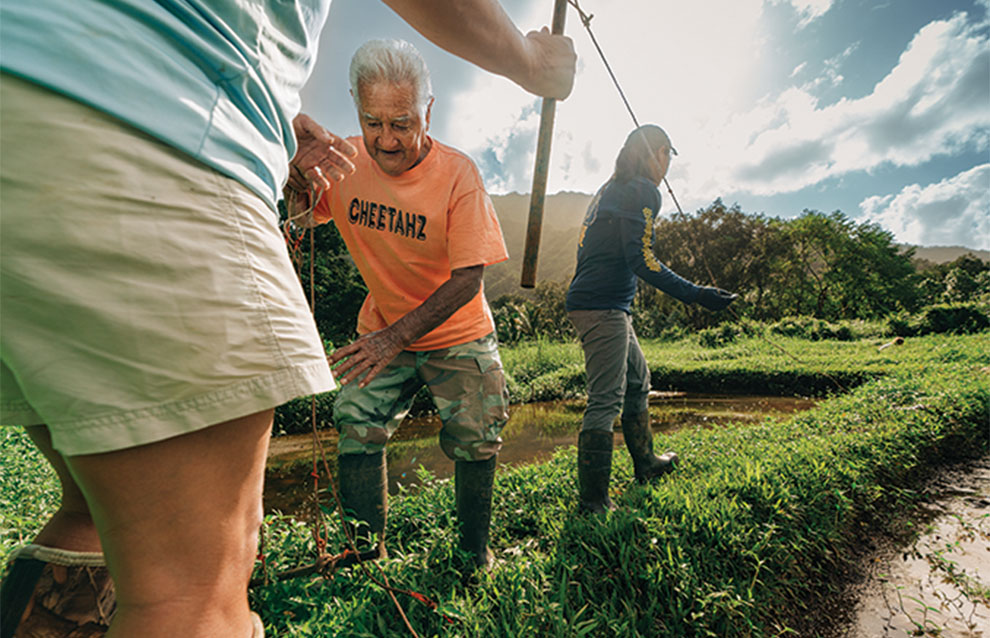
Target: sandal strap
[57, 556]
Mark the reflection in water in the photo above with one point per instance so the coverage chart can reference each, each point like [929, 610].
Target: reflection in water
[533, 433]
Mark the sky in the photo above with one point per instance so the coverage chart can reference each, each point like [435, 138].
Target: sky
[879, 109]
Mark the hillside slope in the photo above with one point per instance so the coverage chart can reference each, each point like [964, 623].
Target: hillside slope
[562, 217]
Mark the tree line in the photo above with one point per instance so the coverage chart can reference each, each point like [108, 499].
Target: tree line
[819, 265]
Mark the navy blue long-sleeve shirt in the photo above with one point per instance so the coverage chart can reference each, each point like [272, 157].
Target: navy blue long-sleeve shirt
[616, 247]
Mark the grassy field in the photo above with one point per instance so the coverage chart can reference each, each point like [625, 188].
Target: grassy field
[747, 538]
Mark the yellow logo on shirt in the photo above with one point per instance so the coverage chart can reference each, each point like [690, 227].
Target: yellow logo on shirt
[648, 257]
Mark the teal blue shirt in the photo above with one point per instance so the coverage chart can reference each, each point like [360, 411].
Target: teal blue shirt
[218, 80]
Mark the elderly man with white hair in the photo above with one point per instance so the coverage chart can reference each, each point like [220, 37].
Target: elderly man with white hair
[421, 228]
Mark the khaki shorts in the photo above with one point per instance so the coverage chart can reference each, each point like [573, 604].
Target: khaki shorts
[143, 295]
[468, 388]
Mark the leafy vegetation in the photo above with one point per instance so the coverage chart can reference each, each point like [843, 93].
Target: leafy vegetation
[544, 368]
[816, 277]
[752, 529]
[954, 318]
[817, 265]
[29, 490]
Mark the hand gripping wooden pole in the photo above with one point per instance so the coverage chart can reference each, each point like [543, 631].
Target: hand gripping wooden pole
[539, 191]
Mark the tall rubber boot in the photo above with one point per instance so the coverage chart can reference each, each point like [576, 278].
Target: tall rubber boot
[647, 466]
[473, 494]
[594, 470]
[364, 494]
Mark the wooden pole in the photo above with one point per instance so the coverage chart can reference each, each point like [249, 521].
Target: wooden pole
[539, 191]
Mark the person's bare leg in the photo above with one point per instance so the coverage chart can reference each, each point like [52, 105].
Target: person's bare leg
[179, 524]
[71, 526]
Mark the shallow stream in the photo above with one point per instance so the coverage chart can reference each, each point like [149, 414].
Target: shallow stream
[534, 432]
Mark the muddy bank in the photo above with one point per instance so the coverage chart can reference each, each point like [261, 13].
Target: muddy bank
[930, 579]
[933, 579]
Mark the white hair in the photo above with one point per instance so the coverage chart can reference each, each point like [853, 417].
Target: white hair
[394, 62]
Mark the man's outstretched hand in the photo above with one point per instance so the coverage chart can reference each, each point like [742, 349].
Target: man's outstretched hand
[714, 298]
[321, 157]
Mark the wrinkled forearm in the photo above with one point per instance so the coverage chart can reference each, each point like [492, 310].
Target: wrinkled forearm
[451, 296]
[480, 32]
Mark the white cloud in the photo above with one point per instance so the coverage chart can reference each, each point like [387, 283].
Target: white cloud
[831, 75]
[807, 10]
[954, 211]
[810, 10]
[934, 102]
[669, 76]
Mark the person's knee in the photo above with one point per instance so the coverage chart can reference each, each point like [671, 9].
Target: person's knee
[636, 403]
[362, 421]
[470, 444]
[600, 415]
[253, 520]
[472, 427]
[361, 438]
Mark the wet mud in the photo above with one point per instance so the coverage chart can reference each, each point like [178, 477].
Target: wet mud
[934, 580]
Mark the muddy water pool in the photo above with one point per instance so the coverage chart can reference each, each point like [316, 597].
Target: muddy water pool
[533, 433]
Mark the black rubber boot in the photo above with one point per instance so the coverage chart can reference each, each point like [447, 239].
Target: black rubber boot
[647, 466]
[473, 493]
[594, 470]
[364, 494]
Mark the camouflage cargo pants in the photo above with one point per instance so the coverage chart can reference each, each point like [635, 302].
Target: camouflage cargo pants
[467, 386]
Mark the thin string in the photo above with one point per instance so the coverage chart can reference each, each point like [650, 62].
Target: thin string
[586, 21]
[325, 564]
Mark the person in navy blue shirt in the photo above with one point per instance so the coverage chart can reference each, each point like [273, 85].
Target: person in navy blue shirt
[615, 250]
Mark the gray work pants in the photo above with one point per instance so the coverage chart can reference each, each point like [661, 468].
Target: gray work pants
[618, 377]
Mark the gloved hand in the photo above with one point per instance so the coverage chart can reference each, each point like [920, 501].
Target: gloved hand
[714, 298]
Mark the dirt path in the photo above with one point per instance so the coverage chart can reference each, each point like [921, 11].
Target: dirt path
[938, 584]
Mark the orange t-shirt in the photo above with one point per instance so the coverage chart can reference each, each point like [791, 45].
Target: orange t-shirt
[407, 233]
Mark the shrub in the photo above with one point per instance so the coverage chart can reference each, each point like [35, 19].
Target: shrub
[819, 330]
[718, 336]
[751, 328]
[899, 325]
[791, 326]
[843, 332]
[672, 333]
[960, 318]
